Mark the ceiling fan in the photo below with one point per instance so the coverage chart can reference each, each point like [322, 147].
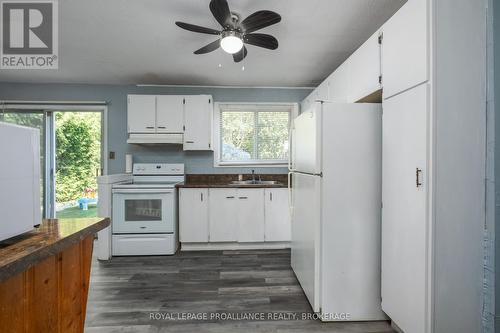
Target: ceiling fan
[235, 33]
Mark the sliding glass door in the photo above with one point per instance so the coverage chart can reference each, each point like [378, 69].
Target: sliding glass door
[70, 158]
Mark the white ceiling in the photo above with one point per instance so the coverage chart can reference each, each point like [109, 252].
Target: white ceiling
[137, 42]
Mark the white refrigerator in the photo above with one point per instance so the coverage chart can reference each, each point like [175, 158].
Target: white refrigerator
[19, 179]
[335, 201]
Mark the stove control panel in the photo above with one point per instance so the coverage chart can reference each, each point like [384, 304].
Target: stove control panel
[158, 169]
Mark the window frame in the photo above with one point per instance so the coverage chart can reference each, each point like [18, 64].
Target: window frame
[294, 111]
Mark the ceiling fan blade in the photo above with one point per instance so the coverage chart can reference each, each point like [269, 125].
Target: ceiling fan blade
[197, 28]
[239, 56]
[261, 40]
[220, 10]
[259, 20]
[208, 48]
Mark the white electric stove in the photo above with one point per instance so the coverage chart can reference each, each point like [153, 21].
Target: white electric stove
[144, 220]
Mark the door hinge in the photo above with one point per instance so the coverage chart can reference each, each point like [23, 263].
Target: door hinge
[380, 38]
[380, 79]
[209, 145]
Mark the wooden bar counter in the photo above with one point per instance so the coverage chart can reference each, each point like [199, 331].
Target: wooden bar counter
[44, 276]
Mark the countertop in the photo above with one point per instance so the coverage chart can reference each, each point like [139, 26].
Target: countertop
[53, 236]
[224, 181]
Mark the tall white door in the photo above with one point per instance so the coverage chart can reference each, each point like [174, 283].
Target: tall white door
[169, 113]
[193, 215]
[223, 215]
[404, 228]
[250, 215]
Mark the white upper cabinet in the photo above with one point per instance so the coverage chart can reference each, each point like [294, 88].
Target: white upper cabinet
[169, 114]
[322, 92]
[193, 215]
[277, 215]
[141, 113]
[405, 58]
[223, 215]
[250, 215]
[364, 69]
[198, 119]
[339, 83]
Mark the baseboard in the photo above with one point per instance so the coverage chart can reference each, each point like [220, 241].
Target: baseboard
[234, 246]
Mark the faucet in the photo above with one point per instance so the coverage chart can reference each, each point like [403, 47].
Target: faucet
[253, 176]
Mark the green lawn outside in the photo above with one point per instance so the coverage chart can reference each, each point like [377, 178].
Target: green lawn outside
[76, 212]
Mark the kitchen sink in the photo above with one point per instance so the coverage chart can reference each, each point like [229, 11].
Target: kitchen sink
[254, 182]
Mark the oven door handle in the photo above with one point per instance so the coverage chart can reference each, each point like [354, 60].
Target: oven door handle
[143, 190]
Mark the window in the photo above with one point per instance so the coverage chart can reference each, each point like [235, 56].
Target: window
[252, 134]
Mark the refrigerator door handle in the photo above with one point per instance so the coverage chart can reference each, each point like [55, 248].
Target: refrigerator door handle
[290, 137]
[290, 199]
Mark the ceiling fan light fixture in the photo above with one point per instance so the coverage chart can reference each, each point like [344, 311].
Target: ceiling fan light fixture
[231, 42]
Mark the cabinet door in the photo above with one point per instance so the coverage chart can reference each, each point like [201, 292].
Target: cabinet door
[169, 114]
[404, 228]
[193, 215]
[250, 215]
[405, 48]
[198, 119]
[141, 113]
[277, 215]
[364, 69]
[338, 84]
[223, 215]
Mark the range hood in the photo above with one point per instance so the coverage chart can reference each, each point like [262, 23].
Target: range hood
[154, 138]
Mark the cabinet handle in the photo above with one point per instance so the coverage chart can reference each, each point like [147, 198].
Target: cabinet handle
[418, 172]
[189, 141]
[232, 197]
[270, 196]
[243, 198]
[150, 127]
[201, 196]
[162, 127]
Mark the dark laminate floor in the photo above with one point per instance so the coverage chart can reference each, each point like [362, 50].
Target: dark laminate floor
[126, 291]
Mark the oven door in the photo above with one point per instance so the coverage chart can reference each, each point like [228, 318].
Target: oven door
[143, 211]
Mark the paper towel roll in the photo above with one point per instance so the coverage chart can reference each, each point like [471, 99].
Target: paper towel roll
[128, 163]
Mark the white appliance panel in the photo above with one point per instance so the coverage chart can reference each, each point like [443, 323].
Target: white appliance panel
[351, 209]
[20, 202]
[144, 244]
[306, 149]
[305, 234]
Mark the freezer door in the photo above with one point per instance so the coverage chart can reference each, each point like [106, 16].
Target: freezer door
[305, 197]
[306, 134]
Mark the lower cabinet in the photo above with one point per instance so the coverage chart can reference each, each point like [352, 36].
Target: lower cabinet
[277, 215]
[234, 215]
[223, 214]
[193, 212]
[250, 215]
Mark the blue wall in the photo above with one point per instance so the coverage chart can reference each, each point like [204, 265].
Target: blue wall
[116, 96]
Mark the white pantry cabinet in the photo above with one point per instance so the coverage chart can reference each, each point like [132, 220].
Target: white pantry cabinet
[405, 47]
[250, 215]
[141, 113]
[277, 215]
[169, 113]
[223, 215]
[404, 227]
[193, 212]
